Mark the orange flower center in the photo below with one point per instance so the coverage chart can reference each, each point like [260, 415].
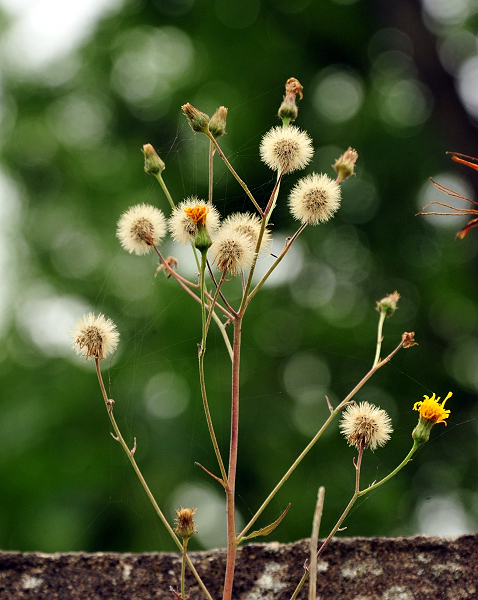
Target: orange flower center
[197, 214]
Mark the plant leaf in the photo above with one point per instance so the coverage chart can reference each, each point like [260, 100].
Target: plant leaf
[268, 529]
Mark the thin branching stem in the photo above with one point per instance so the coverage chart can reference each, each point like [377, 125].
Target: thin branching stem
[310, 445]
[287, 246]
[130, 454]
[202, 380]
[379, 337]
[165, 190]
[357, 494]
[211, 170]
[234, 173]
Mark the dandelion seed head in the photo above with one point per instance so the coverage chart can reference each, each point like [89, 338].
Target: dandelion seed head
[286, 149]
[232, 251]
[314, 199]
[249, 225]
[365, 425]
[183, 223]
[94, 336]
[140, 227]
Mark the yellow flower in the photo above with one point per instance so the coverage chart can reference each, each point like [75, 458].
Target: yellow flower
[431, 412]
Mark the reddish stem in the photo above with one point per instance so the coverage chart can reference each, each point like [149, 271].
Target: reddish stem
[231, 478]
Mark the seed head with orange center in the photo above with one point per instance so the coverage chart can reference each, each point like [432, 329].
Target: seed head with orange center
[197, 213]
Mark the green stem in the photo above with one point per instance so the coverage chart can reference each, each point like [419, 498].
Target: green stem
[357, 494]
[202, 380]
[333, 414]
[130, 454]
[289, 243]
[211, 170]
[231, 168]
[183, 569]
[165, 190]
[379, 337]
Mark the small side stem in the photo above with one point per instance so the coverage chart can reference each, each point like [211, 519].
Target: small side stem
[357, 494]
[183, 568]
[276, 262]
[304, 452]
[231, 168]
[130, 455]
[202, 380]
[211, 170]
[379, 337]
[165, 190]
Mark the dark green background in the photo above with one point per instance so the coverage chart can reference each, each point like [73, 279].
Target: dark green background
[65, 484]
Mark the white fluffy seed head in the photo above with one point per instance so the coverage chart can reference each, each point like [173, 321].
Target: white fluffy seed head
[231, 251]
[249, 225]
[365, 425]
[314, 199]
[286, 149]
[182, 226]
[140, 227]
[94, 336]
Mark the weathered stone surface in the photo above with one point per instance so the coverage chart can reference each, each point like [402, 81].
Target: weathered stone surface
[415, 568]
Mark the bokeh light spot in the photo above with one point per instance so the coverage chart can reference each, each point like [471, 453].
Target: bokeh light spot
[339, 95]
[166, 395]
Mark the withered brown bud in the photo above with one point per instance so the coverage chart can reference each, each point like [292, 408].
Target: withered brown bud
[409, 339]
[185, 525]
[198, 120]
[217, 124]
[345, 164]
[288, 110]
[152, 163]
[172, 264]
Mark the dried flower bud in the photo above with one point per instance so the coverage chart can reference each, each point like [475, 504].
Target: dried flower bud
[431, 413]
[388, 305]
[409, 339]
[185, 525]
[171, 262]
[198, 120]
[344, 165]
[152, 163]
[288, 110]
[217, 124]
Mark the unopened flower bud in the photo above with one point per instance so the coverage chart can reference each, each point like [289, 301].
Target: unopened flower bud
[388, 305]
[344, 165]
[217, 124]
[198, 120]
[185, 525]
[152, 163]
[288, 110]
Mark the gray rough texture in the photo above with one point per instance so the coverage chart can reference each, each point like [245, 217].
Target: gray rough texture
[415, 568]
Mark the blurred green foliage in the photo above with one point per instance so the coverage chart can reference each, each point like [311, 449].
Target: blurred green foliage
[71, 146]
